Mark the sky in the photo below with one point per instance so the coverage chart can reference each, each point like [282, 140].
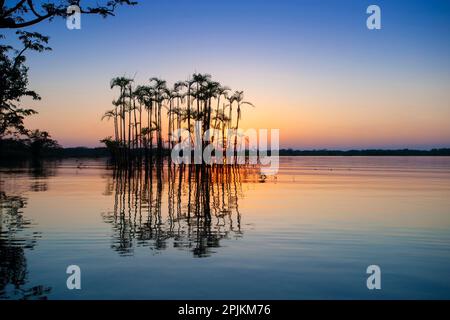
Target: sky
[312, 68]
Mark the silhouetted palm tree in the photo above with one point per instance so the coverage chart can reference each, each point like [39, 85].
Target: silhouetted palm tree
[160, 88]
[200, 80]
[132, 132]
[239, 97]
[123, 83]
[140, 93]
[111, 114]
[221, 91]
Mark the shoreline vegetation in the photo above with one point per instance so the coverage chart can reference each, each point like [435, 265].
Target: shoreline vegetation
[16, 140]
[149, 120]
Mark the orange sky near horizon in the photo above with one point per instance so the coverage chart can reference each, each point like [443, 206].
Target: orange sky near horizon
[311, 114]
[313, 70]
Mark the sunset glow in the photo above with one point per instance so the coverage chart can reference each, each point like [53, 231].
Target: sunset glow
[313, 70]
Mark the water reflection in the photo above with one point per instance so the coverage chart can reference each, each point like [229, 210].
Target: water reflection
[16, 230]
[317, 225]
[16, 238]
[40, 171]
[185, 207]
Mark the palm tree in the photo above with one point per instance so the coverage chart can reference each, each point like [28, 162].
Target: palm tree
[116, 104]
[200, 80]
[178, 111]
[180, 99]
[239, 97]
[140, 93]
[112, 114]
[220, 122]
[189, 85]
[145, 133]
[135, 125]
[221, 91]
[210, 91]
[160, 88]
[171, 95]
[130, 109]
[149, 105]
[122, 83]
[231, 99]
[199, 89]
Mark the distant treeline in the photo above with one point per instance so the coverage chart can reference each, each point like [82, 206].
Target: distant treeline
[99, 152]
[84, 152]
[368, 152]
[19, 150]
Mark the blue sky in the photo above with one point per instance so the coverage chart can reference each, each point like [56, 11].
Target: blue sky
[312, 67]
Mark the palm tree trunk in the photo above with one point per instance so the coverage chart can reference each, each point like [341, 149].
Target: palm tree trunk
[116, 133]
[217, 111]
[129, 122]
[189, 111]
[149, 118]
[140, 125]
[158, 129]
[230, 122]
[179, 120]
[129, 129]
[237, 126]
[135, 125]
[123, 118]
[120, 114]
[223, 137]
[160, 143]
[198, 101]
[230, 116]
[169, 129]
[208, 118]
[156, 121]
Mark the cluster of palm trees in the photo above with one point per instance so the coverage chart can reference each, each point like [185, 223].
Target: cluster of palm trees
[142, 112]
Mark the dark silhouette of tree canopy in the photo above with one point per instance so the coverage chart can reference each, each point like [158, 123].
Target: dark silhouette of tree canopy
[24, 13]
[39, 141]
[13, 71]
[196, 99]
[14, 82]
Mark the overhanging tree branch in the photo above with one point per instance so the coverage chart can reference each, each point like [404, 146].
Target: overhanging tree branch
[16, 16]
[13, 25]
[30, 4]
[16, 7]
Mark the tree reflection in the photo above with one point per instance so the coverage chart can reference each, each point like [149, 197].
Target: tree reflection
[15, 239]
[16, 231]
[184, 207]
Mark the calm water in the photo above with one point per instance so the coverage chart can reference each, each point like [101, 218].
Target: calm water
[310, 232]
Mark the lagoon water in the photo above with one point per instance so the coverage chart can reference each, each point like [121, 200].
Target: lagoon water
[169, 233]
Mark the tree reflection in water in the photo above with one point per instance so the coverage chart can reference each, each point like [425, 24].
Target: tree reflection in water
[16, 237]
[201, 201]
